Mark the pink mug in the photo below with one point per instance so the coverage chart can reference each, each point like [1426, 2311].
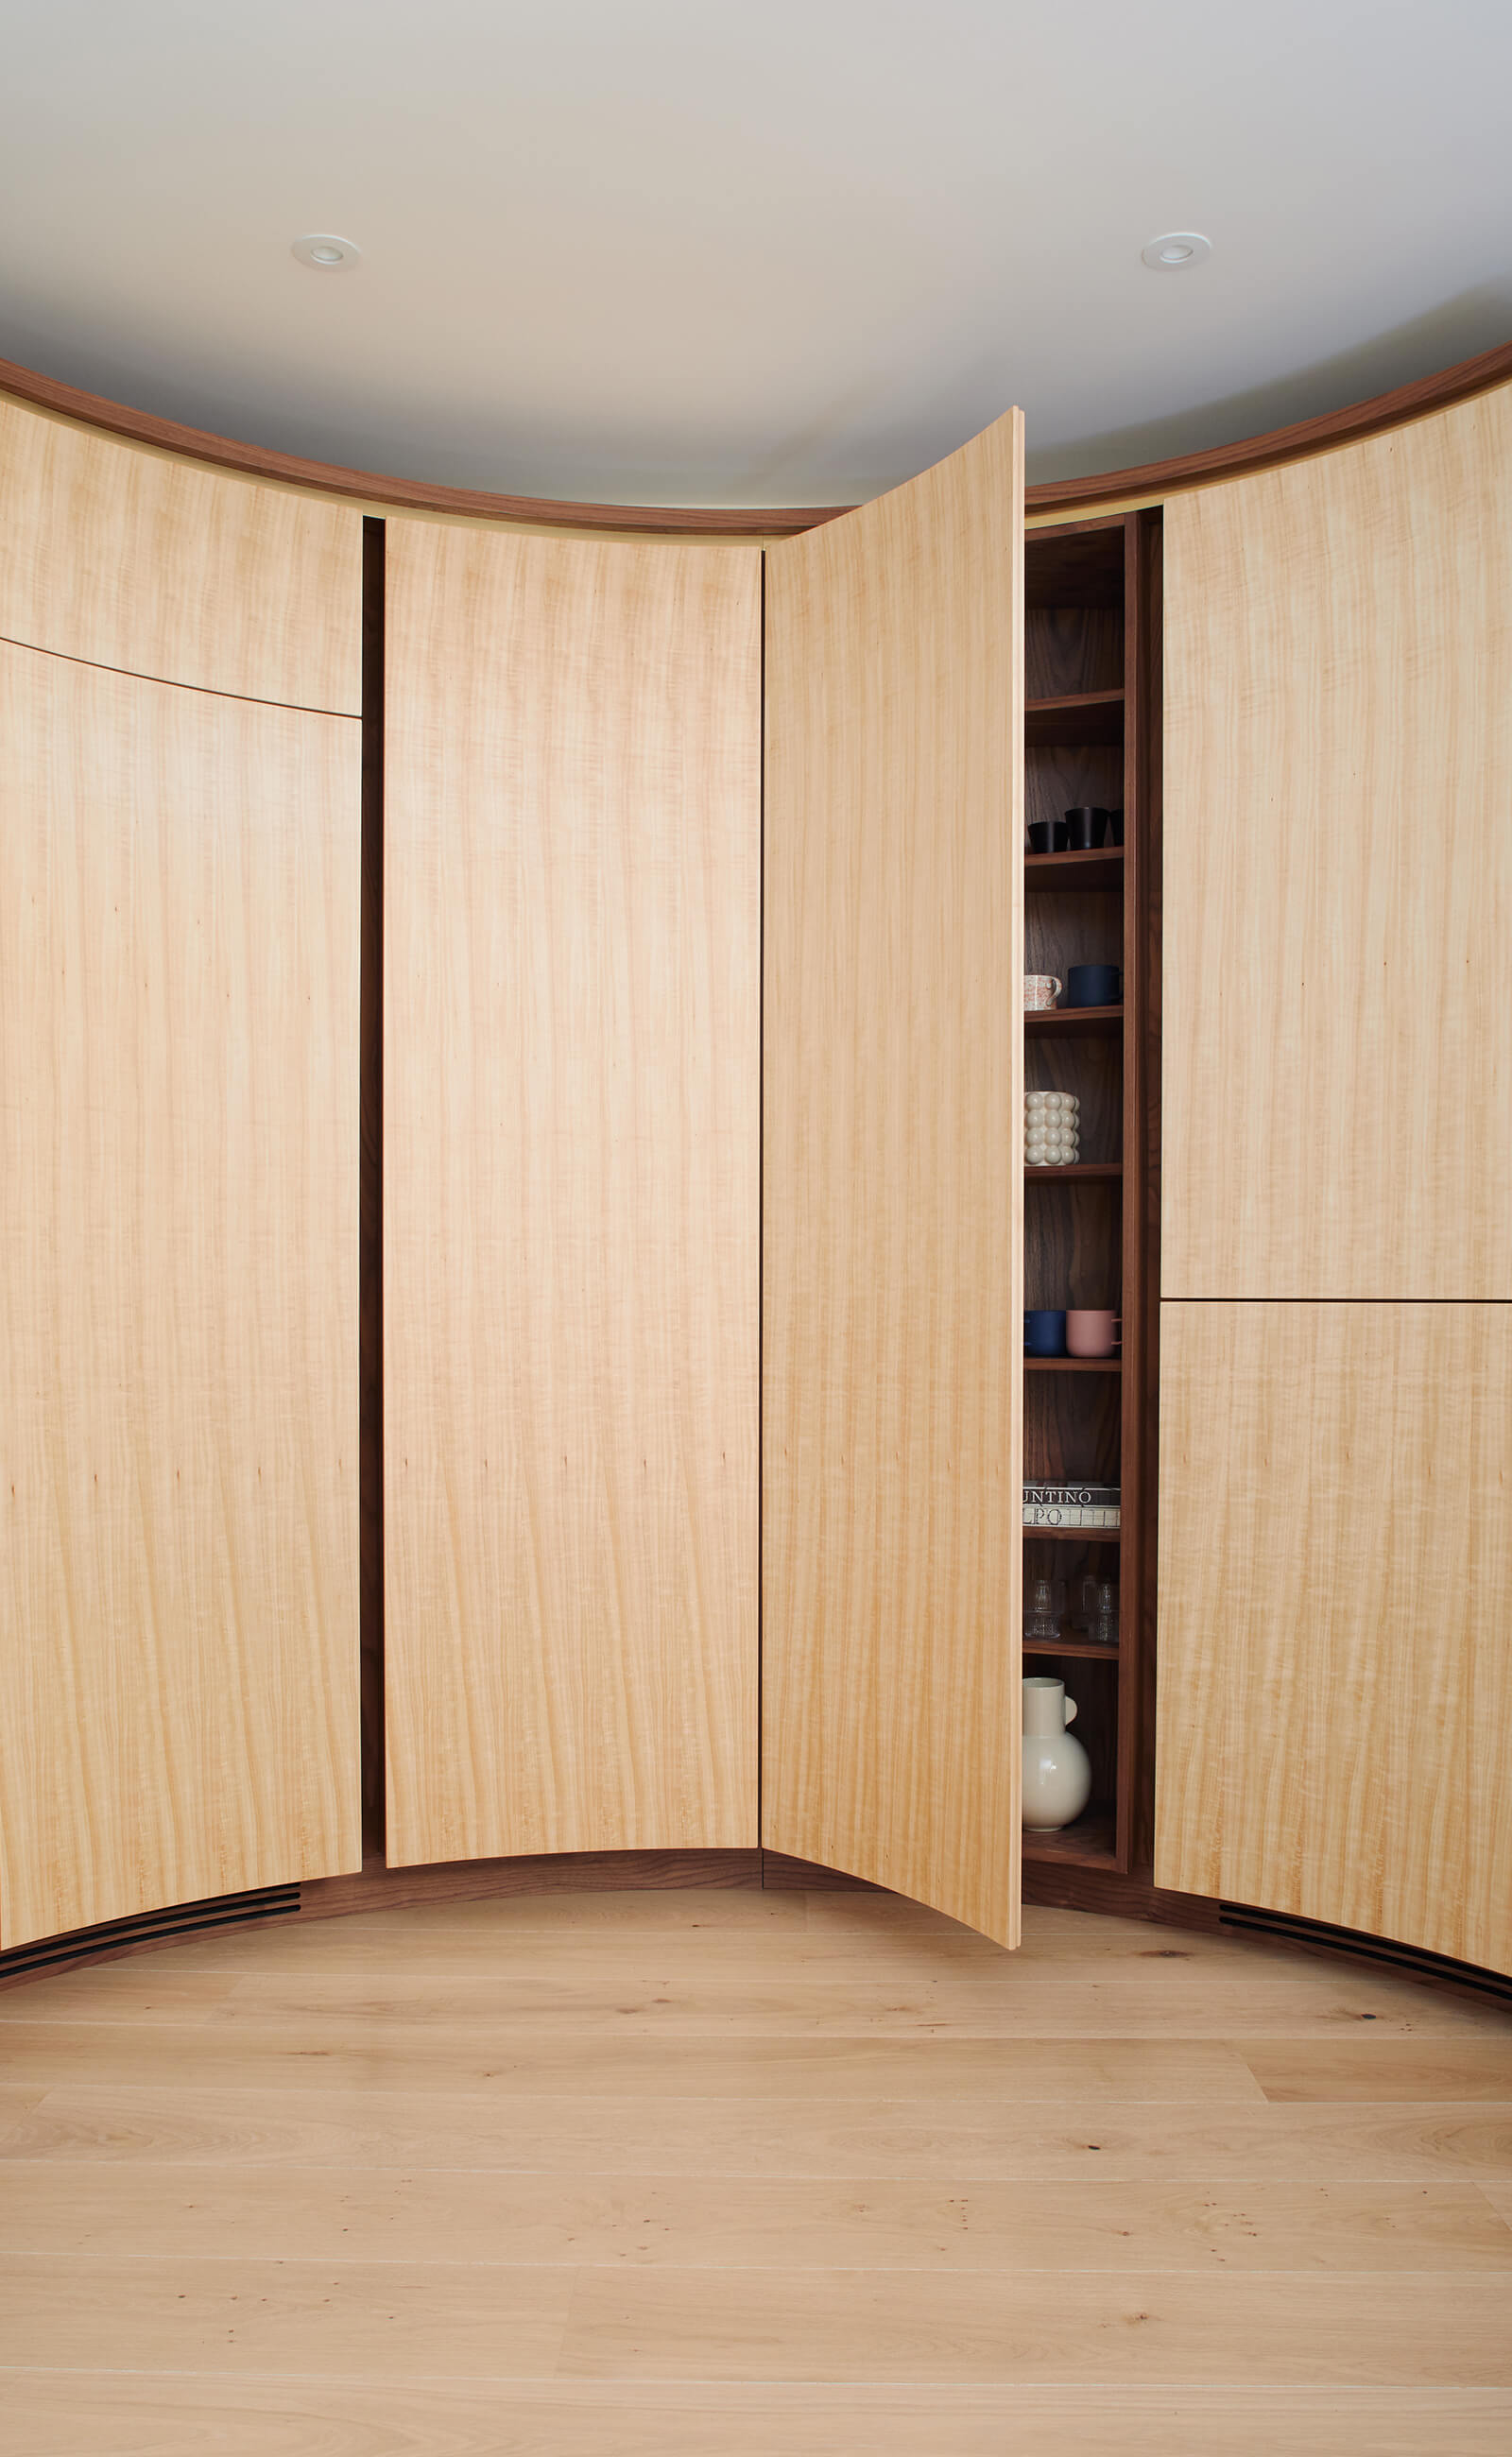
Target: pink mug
[1040, 990]
[1093, 1331]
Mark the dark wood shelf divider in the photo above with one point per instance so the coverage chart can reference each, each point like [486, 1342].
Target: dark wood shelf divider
[1073, 1365]
[1074, 874]
[1074, 719]
[1073, 1534]
[1090, 1844]
[1086, 1170]
[1090, 1647]
[1064, 1022]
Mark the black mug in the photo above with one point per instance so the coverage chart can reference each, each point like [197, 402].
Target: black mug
[1092, 985]
[1044, 1330]
[1046, 835]
[1112, 827]
[1084, 827]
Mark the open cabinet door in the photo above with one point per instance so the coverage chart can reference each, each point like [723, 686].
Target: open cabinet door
[892, 1098]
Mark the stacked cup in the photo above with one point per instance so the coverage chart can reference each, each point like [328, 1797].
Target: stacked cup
[1052, 1128]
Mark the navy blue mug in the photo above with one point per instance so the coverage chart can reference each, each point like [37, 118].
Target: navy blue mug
[1044, 1332]
[1092, 985]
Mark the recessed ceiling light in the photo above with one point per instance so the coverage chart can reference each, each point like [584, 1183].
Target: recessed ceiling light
[327, 253]
[1174, 250]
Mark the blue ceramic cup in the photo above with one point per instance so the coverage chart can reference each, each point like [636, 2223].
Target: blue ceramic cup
[1044, 1332]
[1092, 985]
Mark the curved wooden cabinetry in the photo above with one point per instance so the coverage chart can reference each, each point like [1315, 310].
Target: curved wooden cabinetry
[1337, 1098]
[126, 558]
[178, 1013]
[574, 1038]
[571, 1193]
[1336, 1669]
[892, 1422]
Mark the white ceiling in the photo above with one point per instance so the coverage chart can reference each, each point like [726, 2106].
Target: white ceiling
[682, 250]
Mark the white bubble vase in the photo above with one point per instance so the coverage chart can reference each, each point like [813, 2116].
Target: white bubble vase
[1056, 1770]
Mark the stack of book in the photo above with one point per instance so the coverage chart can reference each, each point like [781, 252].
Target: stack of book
[1070, 1505]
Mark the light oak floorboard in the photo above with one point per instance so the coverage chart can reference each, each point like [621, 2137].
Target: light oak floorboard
[722, 2222]
[478, 2321]
[53, 2414]
[118, 1991]
[1158, 2141]
[1382, 2067]
[1421, 2331]
[339, 2055]
[662, 2003]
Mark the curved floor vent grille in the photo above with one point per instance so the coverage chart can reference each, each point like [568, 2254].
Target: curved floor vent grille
[174, 1919]
[1412, 1959]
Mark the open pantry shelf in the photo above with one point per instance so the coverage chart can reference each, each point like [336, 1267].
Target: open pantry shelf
[1034, 1173]
[1092, 1843]
[1071, 718]
[1063, 1022]
[1092, 739]
[1090, 1647]
[1074, 874]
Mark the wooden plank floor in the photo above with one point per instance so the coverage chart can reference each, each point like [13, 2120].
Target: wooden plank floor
[734, 2174]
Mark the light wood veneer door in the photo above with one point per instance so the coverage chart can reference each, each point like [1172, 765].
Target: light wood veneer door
[179, 926]
[1338, 874]
[133, 559]
[1336, 1616]
[571, 1205]
[892, 1424]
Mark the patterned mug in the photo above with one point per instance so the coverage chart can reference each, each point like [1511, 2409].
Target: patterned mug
[1040, 990]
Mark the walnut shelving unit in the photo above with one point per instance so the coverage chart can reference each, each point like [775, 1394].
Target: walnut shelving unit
[1091, 736]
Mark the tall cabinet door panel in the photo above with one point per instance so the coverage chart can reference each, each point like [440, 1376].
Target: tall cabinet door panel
[571, 1193]
[1338, 874]
[1336, 1596]
[180, 923]
[892, 1520]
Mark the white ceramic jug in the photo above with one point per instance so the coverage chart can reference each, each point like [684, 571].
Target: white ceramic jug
[1057, 1771]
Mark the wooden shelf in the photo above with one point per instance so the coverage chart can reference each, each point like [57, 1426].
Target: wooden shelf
[1090, 1844]
[1035, 1170]
[1073, 1365]
[1078, 874]
[1059, 1023]
[1090, 1648]
[1073, 1534]
[1074, 717]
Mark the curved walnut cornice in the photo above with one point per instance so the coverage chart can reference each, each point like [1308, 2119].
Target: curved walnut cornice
[1072, 495]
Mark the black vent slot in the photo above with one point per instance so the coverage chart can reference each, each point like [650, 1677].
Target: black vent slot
[174, 1919]
[1413, 1960]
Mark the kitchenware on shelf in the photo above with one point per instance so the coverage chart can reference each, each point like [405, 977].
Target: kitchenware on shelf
[1042, 1624]
[1113, 827]
[1083, 1604]
[1093, 985]
[1057, 1771]
[1040, 990]
[1105, 1625]
[1046, 835]
[1052, 1129]
[1084, 827]
[1093, 1331]
[1043, 1330]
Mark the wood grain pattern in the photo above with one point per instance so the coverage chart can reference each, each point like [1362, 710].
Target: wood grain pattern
[179, 1017]
[1338, 1096]
[1335, 1579]
[891, 1268]
[158, 566]
[571, 1076]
